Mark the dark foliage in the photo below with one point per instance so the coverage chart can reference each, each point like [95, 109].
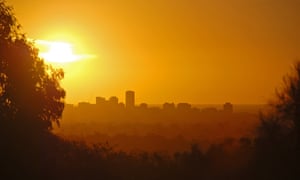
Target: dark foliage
[278, 142]
[31, 99]
[30, 95]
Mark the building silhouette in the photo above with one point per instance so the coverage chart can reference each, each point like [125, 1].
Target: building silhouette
[130, 99]
[169, 106]
[113, 100]
[184, 106]
[228, 107]
[100, 101]
[144, 106]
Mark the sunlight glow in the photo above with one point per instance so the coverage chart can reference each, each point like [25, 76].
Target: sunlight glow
[60, 52]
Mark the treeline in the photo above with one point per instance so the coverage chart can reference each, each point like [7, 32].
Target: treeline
[46, 156]
[159, 137]
[156, 133]
[31, 101]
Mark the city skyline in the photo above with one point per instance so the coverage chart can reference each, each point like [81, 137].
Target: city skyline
[168, 50]
[150, 89]
[116, 99]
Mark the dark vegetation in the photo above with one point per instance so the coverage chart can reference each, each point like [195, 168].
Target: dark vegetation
[31, 100]
[162, 134]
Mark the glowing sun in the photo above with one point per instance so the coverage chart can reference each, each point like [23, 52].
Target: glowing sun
[57, 52]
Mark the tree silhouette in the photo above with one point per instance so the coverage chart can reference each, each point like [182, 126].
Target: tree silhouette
[284, 117]
[30, 93]
[278, 141]
[287, 106]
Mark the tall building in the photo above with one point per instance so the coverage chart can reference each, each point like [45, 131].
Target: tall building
[129, 101]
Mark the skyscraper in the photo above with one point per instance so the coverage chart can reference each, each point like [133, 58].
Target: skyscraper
[129, 99]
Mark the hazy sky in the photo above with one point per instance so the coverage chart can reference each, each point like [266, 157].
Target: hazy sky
[197, 51]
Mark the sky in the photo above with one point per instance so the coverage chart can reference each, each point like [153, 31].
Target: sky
[201, 52]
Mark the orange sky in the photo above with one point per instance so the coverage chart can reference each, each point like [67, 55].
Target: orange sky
[204, 51]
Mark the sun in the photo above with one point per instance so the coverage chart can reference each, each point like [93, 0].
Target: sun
[57, 51]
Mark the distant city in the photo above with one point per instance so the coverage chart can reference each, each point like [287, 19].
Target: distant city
[111, 110]
[113, 102]
[169, 126]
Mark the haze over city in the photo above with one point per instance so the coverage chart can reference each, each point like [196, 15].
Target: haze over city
[150, 89]
[202, 52]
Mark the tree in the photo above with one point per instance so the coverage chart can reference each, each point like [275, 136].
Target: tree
[30, 92]
[284, 117]
[278, 142]
[287, 105]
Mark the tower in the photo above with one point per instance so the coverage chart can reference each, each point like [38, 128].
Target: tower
[129, 99]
